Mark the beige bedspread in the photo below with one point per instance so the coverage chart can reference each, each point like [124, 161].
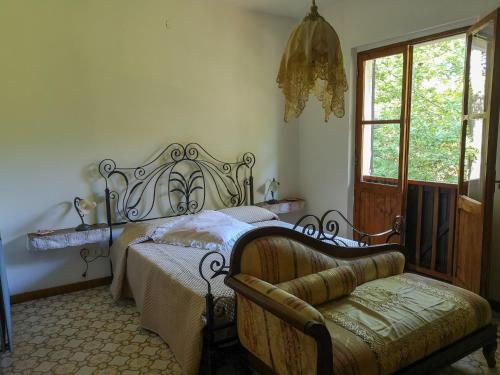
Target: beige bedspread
[169, 294]
[167, 288]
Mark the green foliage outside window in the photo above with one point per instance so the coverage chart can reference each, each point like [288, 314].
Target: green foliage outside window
[436, 109]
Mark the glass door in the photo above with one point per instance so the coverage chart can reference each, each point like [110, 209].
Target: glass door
[478, 156]
[380, 139]
[435, 122]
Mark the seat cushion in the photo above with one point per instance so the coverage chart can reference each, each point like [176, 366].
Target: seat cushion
[389, 323]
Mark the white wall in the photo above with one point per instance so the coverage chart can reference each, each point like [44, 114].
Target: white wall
[327, 150]
[86, 80]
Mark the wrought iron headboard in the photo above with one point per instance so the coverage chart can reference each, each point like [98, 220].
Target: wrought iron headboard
[188, 172]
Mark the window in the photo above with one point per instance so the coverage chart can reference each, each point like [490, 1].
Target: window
[382, 113]
[411, 98]
[436, 110]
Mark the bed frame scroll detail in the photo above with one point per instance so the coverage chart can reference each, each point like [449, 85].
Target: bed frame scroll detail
[213, 265]
[326, 228]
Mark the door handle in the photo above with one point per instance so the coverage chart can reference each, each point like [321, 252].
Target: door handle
[498, 183]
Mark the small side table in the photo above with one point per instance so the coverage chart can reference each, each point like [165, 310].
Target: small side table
[284, 206]
[63, 238]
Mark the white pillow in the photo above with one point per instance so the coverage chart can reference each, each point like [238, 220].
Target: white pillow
[250, 214]
[209, 230]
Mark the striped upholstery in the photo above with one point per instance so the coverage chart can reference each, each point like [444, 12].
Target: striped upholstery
[281, 296]
[376, 266]
[279, 259]
[275, 342]
[323, 286]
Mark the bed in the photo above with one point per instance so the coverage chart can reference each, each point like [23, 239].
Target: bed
[178, 290]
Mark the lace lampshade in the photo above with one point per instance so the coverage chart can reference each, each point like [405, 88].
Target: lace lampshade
[313, 62]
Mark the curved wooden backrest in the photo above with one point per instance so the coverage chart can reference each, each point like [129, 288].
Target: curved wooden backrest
[332, 250]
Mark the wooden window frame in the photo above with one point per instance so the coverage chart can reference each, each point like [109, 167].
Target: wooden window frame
[360, 122]
[405, 47]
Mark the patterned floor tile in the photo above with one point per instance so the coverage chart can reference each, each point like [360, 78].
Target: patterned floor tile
[87, 333]
[83, 333]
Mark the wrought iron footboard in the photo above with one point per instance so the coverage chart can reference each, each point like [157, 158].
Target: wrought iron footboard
[220, 313]
[327, 227]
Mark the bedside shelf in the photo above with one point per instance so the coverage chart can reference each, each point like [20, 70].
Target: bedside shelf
[70, 238]
[284, 206]
[63, 238]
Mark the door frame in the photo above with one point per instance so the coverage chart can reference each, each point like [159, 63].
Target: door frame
[493, 122]
[359, 184]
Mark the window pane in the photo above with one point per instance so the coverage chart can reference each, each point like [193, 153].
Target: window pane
[478, 106]
[436, 110]
[383, 87]
[381, 153]
[480, 69]
[474, 159]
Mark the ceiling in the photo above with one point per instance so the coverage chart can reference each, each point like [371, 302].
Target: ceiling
[288, 8]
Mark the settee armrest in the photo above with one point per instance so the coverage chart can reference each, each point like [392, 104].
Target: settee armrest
[289, 309]
[300, 319]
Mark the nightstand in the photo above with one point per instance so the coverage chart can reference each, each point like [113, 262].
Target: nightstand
[64, 238]
[284, 206]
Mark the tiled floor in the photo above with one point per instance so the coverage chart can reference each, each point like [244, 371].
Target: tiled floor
[84, 333]
[475, 363]
[88, 333]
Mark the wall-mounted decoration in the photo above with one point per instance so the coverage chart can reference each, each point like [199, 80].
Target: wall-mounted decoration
[313, 62]
[83, 207]
[273, 190]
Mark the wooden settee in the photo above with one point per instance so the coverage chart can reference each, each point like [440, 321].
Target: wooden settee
[308, 307]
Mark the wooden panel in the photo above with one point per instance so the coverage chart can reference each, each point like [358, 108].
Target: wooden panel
[376, 210]
[468, 244]
[420, 204]
[444, 230]
[426, 236]
[435, 226]
[451, 235]
[430, 219]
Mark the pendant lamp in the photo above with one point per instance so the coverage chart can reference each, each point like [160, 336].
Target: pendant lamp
[313, 62]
